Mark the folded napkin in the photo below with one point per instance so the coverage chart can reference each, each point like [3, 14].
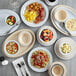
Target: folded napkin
[18, 70]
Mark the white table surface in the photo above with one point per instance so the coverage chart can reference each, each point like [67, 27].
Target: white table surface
[70, 64]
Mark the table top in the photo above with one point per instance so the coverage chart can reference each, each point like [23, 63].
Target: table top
[70, 64]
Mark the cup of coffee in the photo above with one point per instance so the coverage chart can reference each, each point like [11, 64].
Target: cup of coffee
[51, 2]
[60, 15]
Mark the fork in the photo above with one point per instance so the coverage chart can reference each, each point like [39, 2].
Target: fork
[23, 64]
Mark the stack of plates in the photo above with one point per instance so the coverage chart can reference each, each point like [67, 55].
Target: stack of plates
[65, 40]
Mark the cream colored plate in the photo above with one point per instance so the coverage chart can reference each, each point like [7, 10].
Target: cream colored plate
[71, 14]
[64, 40]
[22, 49]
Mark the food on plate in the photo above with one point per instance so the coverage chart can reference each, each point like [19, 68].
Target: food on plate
[31, 15]
[46, 35]
[57, 70]
[12, 47]
[40, 59]
[25, 38]
[71, 24]
[60, 15]
[35, 13]
[11, 20]
[66, 48]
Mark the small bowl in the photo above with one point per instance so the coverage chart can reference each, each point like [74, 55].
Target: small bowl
[49, 42]
[66, 25]
[6, 19]
[57, 14]
[61, 65]
[51, 3]
[61, 50]
[12, 55]
[28, 36]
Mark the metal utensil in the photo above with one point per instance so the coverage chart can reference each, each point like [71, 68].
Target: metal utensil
[23, 64]
[20, 69]
[12, 28]
[63, 25]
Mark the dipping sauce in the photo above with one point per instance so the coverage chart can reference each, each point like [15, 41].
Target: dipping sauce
[60, 15]
[57, 70]
[66, 48]
[46, 35]
[11, 20]
[40, 59]
[71, 24]
[12, 48]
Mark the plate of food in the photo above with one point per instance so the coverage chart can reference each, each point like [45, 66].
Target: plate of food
[39, 59]
[46, 35]
[64, 19]
[18, 43]
[34, 13]
[9, 20]
[65, 48]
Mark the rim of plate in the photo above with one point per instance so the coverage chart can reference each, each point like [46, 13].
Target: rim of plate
[32, 24]
[65, 33]
[36, 69]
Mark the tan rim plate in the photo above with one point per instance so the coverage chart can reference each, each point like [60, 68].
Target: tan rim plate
[51, 16]
[23, 50]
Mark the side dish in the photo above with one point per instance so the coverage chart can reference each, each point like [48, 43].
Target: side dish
[71, 25]
[12, 47]
[46, 35]
[11, 20]
[66, 48]
[34, 13]
[40, 59]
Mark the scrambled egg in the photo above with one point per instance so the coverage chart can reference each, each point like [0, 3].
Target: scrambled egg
[30, 15]
[66, 48]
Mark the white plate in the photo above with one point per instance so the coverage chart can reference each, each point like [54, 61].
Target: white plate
[42, 69]
[4, 13]
[71, 14]
[24, 8]
[65, 40]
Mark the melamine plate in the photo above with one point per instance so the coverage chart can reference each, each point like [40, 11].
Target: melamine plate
[71, 14]
[24, 8]
[65, 40]
[42, 69]
[23, 50]
[4, 13]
